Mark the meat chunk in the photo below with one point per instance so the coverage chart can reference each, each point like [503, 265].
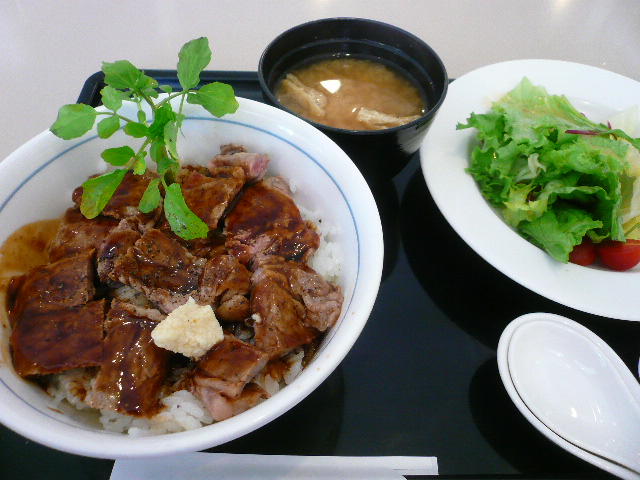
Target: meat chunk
[221, 407]
[266, 221]
[220, 378]
[210, 246]
[229, 366]
[76, 232]
[322, 300]
[254, 165]
[133, 368]
[161, 268]
[114, 247]
[51, 341]
[125, 200]
[278, 314]
[13, 290]
[224, 284]
[65, 283]
[209, 196]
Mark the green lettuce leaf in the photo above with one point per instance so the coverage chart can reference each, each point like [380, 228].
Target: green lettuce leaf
[559, 229]
[552, 173]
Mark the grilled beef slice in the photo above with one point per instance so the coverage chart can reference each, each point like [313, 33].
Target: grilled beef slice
[114, 247]
[266, 221]
[65, 283]
[322, 300]
[221, 407]
[51, 341]
[224, 284]
[76, 232]
[210, 196]
[133, 368]
[221, 377]
[278, 314]
[161, 268]
[254, 165]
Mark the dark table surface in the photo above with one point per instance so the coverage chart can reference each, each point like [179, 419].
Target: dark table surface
[422, 379]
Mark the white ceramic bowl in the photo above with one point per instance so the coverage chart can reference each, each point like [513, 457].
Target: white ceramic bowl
[36, 182]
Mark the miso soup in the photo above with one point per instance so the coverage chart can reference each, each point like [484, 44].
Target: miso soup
[351, 93]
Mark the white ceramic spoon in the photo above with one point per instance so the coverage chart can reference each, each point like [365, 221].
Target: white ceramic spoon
[574, 388]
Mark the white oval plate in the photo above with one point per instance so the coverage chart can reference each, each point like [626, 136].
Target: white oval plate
[445, 154]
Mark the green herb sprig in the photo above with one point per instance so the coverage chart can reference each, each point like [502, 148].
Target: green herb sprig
[160, 130]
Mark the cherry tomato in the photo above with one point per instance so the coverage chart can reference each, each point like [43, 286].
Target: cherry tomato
[583, 254]
[619, 255]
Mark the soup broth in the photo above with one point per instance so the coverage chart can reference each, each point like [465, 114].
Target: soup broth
[351, 93]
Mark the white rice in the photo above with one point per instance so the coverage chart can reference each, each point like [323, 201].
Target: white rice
[70, 386]
[294, 361]
[327, 259]
[182, 410]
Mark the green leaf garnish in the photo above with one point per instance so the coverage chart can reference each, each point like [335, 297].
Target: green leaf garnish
[151, 198]
[111, 98]
[171, 138]
[98, 191]
[156, 123]
[108, 126]
[217, 98]
[194, 56]
[164, 115]
[139, 164]
[167, 166]
[183, 221]
[136, 130]
[123, 75]
[118, 156]
[74, 121]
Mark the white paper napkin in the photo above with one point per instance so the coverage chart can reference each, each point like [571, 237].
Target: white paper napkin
[210, 466]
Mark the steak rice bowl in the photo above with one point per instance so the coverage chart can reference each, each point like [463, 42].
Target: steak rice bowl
[70, 411]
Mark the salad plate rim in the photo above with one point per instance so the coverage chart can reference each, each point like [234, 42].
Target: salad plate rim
[445, 154]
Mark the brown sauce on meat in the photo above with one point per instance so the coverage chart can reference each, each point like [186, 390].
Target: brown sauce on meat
[137, 376]
[23, 250]
[273, 224]
[58, 308]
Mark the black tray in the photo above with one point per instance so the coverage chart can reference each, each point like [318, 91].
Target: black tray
[245, 84]
[421, 380]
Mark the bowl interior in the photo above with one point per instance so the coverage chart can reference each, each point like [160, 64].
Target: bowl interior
[36, 183]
